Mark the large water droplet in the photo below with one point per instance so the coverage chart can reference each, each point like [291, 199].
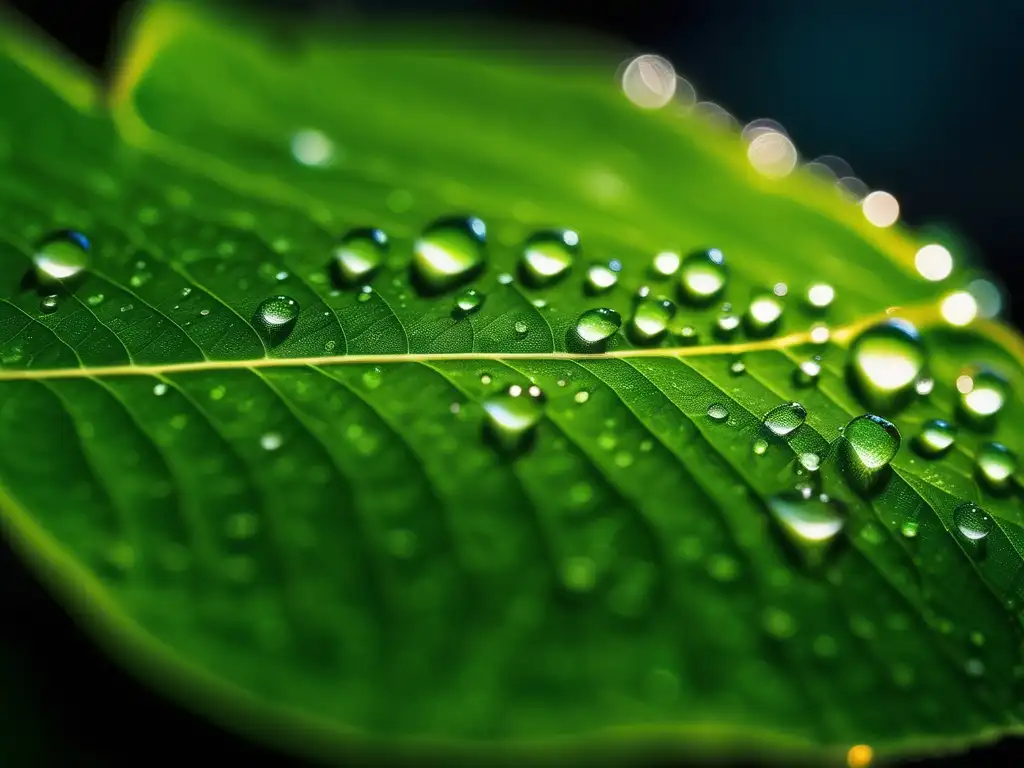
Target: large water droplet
[810, 521]
[548, 255]
[871, 442]
[718, 412]
[61, 255]
[972, 521]
[602, 277]
[884, 363]
[276, 316]
[469, 301]
[595, 326]
[49, 304]
[703, 276]
[935, 438]
[359, 254]
[764, 314]
[982, 395]
[995, 465]
[783, 419]
[650, 321]
[513, 415]
[449, 252]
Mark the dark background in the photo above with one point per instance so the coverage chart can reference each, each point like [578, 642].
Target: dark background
[922, 99]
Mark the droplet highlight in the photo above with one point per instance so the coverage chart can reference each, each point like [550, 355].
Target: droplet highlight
[449, 252]
[360, 254]
[935, 439]
[548, 256]
[61, 255]
[884, 362]
[703, 276]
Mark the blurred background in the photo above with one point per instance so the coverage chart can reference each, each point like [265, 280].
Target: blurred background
[921, 99]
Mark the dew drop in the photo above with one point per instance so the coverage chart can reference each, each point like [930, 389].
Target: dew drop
[595, 327]
[49, 304]
[718, 412]
[808, 372]
[160, 389]
[810, 521]
[359, 254]
[271, 441]
[95, 300]
[450, 251]
[809, 461]
[521, 329]
[764, 314]
[666, 264]
[687, 336]
[61, 255]
[872, 442]
[909, 529]
[982, 395]
[972, 521]
[650, 320]
[548, 255]
[884, 363]
[703, 276]
[995, 465]
[726, 323]
[935, 438]
[784, 419]
[276, 317]
[513, 416]
[760, 446]
[737, 367]
[468, 301]
[820, 295]
[602, 277]
[924, 386]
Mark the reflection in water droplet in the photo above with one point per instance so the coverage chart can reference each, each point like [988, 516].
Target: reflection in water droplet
[703, 276]
[61, 255]
[783, 419]
[972, 521]
[602, 277]
[650, 320]
[982, 395]
[469, 301]
[548, 255]
[872, 442]
[513, 416]
[885, 361]
[718, 412]
[595, 326]
[49, 304]
[359, 254]
[995, 465]
[276, 316]
[666, 264]
[449, 251]
[935, 438]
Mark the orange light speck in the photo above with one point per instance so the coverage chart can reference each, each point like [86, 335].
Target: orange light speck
[859, 756]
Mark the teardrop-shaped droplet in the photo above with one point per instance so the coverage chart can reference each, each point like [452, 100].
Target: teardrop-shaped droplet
[995, 465]
[810, 521]
[935, 438]
[595, 327]
[602, 277]
[764, 315]
[513, 415]
[884, 363]
[982, 395]
[808, 372]
[872, 442]
[359, 254]
[61, 255]
[49, 304]
[666, 264]
[783, 419]
[276, 317]
[449, 252]
[820, 295]
[549, 255]
[718, 412]
[703, 276]
[468, 301]
[650, 321]
[972, 521]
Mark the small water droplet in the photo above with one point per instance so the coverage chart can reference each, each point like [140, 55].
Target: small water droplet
[595, 327]
[360, 254]
[582, 396]
[505, 278]
[61, 255]
[49, 304]
[737, 367]
[808, 372]
[687, 336]
[809, 521]
[650, 319]
[271, 441]
[982, 395]
[784, 419]
[995, 465]
[666, 264]
[820, 334]
[909, 529]
[521, 328]
[872, 442]
[485, 379]
[972, 521]
[450, 251]
[718, 412]
[924, 386]
[760, 446]
[469, 301]
[276, 316]
[726, 323]
[820, 295]
[512, 417]
[601, 277]
[764, 314]
[703, 276]
[372, 378]
[935, 438]
[95, 300]
[884, 362]
[160, 389]
[809, 461]
[548, 255]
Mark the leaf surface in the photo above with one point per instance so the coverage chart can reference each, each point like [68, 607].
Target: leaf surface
[312, 538]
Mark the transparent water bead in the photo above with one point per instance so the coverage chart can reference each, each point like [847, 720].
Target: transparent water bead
[972, 521]
[449, 252]
[872, 442]
[784, 419]
[703, 276]
[935, 439]
[513, 416]
[651, 317]
[360, 254]
[885, 361]
[995, 465]
[595, 327]
[548, 255]
[61, 255]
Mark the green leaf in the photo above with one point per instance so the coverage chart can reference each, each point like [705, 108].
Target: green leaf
[312, 536]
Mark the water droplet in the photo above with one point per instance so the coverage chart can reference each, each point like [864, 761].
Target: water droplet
[160, 389]
[737, 367]
[924, 386]
[760, 446]
[448, 252]
[820, 333]
[809, 521]
[808, 372]
[909, 529]
[595, 327]
[602, 277]
[884, 362]
[521, 328]
[485, 379]
[505, 278]
[780, 289]
[95, 300]
[718, 412]
[548, 255]
[666, 264]
[982, 395]
[820, 295]
[276, 317]
[809, 461]
[650, 320]
[512, 417]
[271, 441]
[61, 255]
[995, 465]
[872, 442]
[935, 438]
[726, 323]
[359, 254]
[687, 336]
[972, 521]
[703, 276]
[469, 301]
[49, 304]
[582, 396]
[372, 378]
[783, 419]
[764, 314]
